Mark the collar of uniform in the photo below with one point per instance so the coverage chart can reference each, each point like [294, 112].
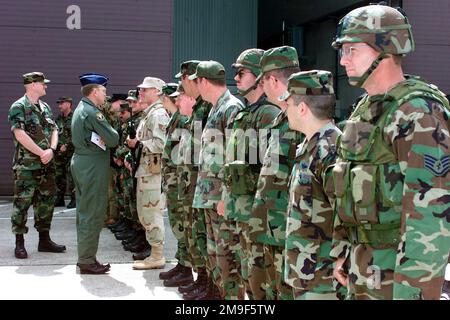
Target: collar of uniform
[224, 97]
[312, 143]
[86, 100]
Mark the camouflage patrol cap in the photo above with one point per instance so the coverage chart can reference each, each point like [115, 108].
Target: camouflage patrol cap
[168, 89]
[210, 70]
[278, 58]
[310, 83]
[125, 107]
[187, 68]
[382, 27]
[249, 59]
[132, 95]
[179, 91]
[34, 77]
[64, 99]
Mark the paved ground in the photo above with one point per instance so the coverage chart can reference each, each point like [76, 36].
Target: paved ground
[53, 276]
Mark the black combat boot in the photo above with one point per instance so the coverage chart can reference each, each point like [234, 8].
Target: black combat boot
[169, 274]
[72, 204]
[20, 252]
[47, 245]
[183, 277]
[143, 254]
[59, 201]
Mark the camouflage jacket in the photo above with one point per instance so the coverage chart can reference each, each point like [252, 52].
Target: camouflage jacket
[209, 187]
[392, 196]
[65, 133]
[170, 156]
[123, 150]
[309, 266]
[269, 211]
[37, 122]
[151, 133]
[246, 145]
[190, 144]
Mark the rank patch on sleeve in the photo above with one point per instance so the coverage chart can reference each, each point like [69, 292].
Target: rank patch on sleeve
[100, 116]
[439, 167]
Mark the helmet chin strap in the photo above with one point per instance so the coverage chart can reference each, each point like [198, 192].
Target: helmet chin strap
[246, 91]
[360, 80]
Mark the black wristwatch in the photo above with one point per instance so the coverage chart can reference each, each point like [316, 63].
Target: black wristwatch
[54, 149]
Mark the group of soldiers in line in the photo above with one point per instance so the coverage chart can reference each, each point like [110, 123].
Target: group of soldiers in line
[360, 213]
[357, 212]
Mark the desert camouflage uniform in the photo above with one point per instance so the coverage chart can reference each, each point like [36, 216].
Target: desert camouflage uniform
[151, 133]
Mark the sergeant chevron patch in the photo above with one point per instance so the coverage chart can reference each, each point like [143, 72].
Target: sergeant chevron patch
[439, 167]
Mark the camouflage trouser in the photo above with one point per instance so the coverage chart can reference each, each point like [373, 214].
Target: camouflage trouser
[129, 197]
[277, 289]
[63, 176]
[149, 197]
[228, 260]
[195, 230]
[212, 232]
[119, 191]
[113, 211]
[244, 251]
[177, 220]
[35, 187]
[257, 270]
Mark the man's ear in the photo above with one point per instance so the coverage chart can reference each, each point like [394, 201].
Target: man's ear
[303, 108]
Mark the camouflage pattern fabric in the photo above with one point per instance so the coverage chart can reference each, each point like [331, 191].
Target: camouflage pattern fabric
[177, 215]
[37, 122]
[269, 211]
[34, 182]
[195, 227]
[209, 187]
[383, 27]
[308, 265]
[151, 132]
[392, 186]
[36, 187]
[248, 128]
[64, 178]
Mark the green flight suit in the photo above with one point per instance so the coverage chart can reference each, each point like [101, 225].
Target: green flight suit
[90, 169]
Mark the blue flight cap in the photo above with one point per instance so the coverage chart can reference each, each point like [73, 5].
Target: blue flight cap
[93, 78]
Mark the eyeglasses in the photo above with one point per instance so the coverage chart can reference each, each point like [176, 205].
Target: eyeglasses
[347, 51]
[241, 73]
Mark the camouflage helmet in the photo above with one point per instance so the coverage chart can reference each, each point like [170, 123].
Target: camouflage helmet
[382, 27]
[249, 59]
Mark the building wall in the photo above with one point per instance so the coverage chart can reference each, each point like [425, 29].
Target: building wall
[213, 30]
[431, 30]
[124, 40]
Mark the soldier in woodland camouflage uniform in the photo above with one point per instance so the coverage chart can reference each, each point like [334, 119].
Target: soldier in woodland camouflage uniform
[244, 161]
[210, 79]
[35, 140]
[392, 180]
[269, 211]
[203, 260]
[150, 138]
[64, 153]
[308, 265]
[170, 185]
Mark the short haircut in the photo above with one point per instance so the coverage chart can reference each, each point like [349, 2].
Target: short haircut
[321, 106]
[282, 74]
[87, 89]
[217, 82]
